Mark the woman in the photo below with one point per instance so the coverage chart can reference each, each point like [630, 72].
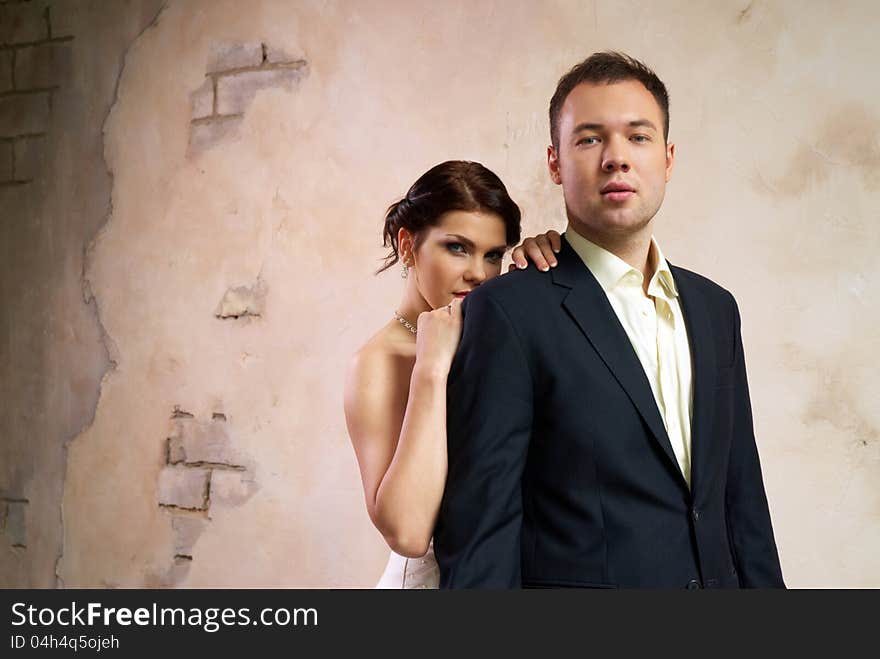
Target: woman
[450, 233]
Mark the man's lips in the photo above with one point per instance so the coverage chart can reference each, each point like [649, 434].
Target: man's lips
[617, 191]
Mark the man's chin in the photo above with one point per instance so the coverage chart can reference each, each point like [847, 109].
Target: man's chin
[622, 222]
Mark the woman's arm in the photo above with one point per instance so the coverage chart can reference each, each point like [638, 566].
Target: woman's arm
[396, 419]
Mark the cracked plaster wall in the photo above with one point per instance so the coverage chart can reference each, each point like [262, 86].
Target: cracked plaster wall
[59, 62]
[233, 276]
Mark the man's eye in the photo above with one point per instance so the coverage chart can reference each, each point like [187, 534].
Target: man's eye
[640, 138]
[588, 141]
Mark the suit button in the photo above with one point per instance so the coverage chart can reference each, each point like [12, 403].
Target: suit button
[693, 584]
[696, 514]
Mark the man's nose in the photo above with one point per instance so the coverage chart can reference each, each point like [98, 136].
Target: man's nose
[615, 158]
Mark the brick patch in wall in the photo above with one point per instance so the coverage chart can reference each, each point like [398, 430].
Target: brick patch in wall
[6, 150]
[194, 442]
[14, 514]
[235, 74]
[235, 92]
[186, 529]
[205, 134]
[61, 18]
[5, 70]
[29, 155]
[203, 100]
[43, 65]
[22, 114]
[184, 487]
[202, 468]
[22, 23]
[242, 301]
[235, 56]
[35, 61]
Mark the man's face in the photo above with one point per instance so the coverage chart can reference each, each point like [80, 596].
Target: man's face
[612, 160]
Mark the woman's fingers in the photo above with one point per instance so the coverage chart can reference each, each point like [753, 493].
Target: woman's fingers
[540, 250]
[542, 253]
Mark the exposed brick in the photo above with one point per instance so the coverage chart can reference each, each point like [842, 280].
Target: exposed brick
[63, 18]
[204, 135]
[44, 65]
[20, 23]
[242, 301]
[278, 56]
[231, 488]
[5, 70]
[184, 487]
[203, 100]
[30, 153]
[235, 92]
[194, 441]
[235, 56]
[15, 528]
[186, 531]
[24, 113]
[5, 163]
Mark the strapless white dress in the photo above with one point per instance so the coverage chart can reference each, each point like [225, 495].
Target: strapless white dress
[403, 572]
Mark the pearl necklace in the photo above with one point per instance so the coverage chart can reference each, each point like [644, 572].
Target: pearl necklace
[405, 322]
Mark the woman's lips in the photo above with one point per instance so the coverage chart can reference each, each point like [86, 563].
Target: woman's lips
[461, 294]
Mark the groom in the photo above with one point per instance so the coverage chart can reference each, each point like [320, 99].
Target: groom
[599, 425]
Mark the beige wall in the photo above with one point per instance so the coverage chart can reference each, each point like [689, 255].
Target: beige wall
[232, 275]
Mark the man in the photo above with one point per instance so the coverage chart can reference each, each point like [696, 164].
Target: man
[599, 423]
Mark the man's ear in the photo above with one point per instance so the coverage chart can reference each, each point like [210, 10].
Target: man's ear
[670, 160]
[553, 164]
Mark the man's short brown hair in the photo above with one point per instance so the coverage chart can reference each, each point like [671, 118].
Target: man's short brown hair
[606, 68]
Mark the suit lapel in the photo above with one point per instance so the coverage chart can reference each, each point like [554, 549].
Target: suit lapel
[704, 367]
[588, 305]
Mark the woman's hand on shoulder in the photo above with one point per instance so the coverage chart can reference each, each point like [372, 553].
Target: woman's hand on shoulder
[437, 339]
[541, 250]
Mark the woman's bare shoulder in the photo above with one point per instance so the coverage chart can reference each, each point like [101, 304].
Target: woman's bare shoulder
[385, 349]
[380, 369]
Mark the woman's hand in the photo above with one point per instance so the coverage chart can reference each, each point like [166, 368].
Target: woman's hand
[540, 250]
[438, 336]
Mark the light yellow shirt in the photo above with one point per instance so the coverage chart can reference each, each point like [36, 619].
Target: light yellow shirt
[655, 327]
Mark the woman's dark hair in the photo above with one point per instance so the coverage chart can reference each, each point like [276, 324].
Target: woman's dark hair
[454, 185]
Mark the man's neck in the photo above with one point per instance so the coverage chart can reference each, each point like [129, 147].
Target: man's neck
[634, 249]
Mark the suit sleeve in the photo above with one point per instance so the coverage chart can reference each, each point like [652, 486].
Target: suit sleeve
[748, 515]
[489, 419]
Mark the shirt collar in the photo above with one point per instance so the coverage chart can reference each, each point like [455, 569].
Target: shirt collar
[610, 270]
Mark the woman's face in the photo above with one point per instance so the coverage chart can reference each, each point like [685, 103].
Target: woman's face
[462, 251]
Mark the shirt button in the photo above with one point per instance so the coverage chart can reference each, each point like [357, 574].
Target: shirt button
[693, 584]
[696, 514]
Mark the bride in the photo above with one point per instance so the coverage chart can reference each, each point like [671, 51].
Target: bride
[450, 233]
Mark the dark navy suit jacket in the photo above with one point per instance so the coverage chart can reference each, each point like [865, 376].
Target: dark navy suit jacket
[560, 470]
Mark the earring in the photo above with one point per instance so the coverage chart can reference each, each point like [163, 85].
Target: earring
[404, 273]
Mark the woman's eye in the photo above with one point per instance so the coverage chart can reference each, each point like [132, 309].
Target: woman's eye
[456, 248]
[494, 257]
